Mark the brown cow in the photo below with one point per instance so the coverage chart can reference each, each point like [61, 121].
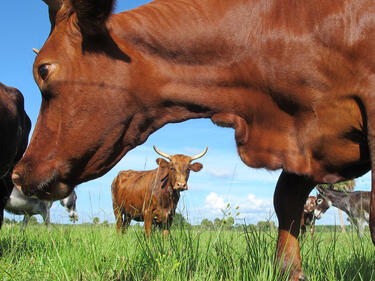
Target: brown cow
[14, 132]
[152, 196]
[295, 79]
[308, 217]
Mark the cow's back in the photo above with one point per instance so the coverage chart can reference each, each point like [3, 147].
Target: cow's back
[132, 191]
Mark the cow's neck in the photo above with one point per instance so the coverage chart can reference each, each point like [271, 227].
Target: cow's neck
[168, 193]
[182, 76]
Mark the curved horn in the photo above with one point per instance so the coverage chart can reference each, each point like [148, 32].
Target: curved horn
[199, 155]
[162, 153]
[36, 51]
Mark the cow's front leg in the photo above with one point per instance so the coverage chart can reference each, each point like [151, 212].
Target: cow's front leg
[148, 222]
[289, 198]
[167, 225]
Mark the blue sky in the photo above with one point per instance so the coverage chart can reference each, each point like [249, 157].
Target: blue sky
[223, 179]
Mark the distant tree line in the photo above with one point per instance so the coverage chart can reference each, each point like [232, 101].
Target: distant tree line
[180, 221]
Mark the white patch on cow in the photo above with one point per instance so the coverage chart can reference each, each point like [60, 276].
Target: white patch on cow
[20, 204]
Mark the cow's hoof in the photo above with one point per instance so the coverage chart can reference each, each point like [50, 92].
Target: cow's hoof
[301, 277]
[298, 276]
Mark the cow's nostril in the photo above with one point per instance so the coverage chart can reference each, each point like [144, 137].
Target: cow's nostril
[16, 178]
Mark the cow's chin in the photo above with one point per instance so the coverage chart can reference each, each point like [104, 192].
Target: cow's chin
[54, 191]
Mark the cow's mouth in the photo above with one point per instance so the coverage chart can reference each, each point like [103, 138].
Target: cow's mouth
[50, 191]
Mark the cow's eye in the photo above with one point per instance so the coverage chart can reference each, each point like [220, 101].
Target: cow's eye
[319, 201]
[43, 70]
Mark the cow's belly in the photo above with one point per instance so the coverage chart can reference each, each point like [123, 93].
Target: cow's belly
[328, 144]
[338, 160]
[338, 149]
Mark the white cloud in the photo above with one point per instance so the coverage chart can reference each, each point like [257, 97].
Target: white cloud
[254, 204]
[251, 209]
[214, 202]
[221, 173]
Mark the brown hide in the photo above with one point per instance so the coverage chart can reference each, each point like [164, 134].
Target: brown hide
[151, 196]
[14, 132]
[293, 78]
[172, 72]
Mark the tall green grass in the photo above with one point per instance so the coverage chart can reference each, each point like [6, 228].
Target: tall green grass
[96, 252]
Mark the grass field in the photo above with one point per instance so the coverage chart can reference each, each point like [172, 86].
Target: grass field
[96, 252]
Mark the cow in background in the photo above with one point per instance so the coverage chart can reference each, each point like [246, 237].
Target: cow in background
[152, 196]
[355, 204]
[20, 204]
[15, 126]
[308, 218]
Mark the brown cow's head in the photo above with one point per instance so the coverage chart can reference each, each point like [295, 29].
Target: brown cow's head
[88, 118]
[179, 167]
[322, 203]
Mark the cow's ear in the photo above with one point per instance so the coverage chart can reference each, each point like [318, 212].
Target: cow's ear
[92, 15]
[162, 162]
[196, 167]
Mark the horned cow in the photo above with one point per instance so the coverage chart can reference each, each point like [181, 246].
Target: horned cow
[152, 196]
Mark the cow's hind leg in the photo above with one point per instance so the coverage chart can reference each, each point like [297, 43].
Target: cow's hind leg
[125, 223]
[148, 222]
[46, 214]
[118, 216]
[165, 225]
[289, 198]
[25, 222]
[6, 186]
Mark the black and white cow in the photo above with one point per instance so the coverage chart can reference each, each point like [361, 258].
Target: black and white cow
[355, 204]
[20, 204]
